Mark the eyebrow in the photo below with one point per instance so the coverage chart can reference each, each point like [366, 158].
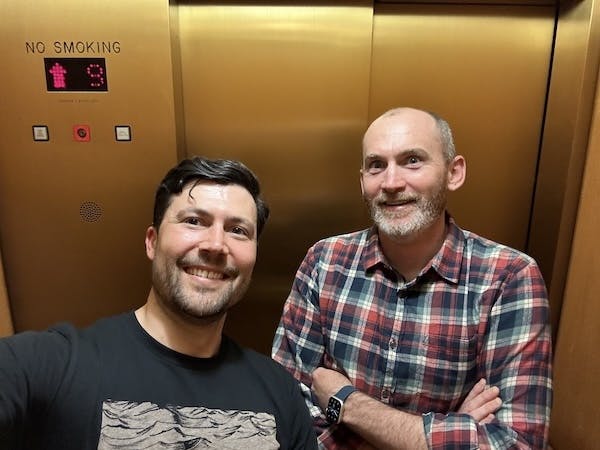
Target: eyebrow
[403, 153]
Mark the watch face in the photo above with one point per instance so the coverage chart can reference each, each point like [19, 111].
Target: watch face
[332, 413]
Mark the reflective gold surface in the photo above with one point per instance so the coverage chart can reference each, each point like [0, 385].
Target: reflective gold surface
[6, 326]
[485, 69]
[284, 89]
[58, 265]
[566, 222]
[566, 135]
[288, 89]
[575, 411]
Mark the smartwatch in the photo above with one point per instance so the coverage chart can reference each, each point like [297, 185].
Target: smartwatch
[335, 406]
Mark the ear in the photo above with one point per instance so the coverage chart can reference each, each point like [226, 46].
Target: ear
[150, 241]
[457, 172]
[362, 188]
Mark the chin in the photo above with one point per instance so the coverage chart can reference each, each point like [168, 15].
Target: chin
[202, 317]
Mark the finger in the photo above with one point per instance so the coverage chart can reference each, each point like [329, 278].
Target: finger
[476, 390]
[485, 396]
[486, 409]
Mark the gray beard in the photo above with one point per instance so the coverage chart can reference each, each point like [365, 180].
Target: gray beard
[428, 210]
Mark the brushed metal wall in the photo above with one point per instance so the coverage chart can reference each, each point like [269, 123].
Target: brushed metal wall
[290, 90]
[485, 69]
[286, 88]
[73, 214]
[575, 413]
[6, 325]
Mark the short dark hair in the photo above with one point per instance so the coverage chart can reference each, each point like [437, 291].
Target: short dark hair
[199, 169]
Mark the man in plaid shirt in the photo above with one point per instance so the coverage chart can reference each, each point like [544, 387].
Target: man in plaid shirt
[395, 332]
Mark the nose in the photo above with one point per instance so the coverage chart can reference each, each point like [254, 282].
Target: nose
[213, 240]
[393, 179]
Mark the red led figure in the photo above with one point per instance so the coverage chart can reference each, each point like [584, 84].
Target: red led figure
[96, 74]
[58, 73]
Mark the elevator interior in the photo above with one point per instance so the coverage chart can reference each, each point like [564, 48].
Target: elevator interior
[288, 89]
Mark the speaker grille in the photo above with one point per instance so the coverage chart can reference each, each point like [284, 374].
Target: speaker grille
[90, 211]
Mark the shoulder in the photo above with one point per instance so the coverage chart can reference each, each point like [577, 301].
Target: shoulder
[57, 344]
[354, 238]
[110, 326]
[31, 343]
[489, 263]
[35, 363]
[339, 245]
[481, 248]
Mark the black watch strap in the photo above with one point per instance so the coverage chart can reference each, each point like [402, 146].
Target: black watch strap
[344, 392]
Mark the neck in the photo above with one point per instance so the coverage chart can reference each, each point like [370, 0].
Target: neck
[410, 254]
[189, 336]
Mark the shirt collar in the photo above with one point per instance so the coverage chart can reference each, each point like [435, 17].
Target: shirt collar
[446, 261]
[372, 253]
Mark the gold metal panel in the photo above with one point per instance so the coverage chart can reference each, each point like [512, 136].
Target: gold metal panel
[63, 261]
[566, 134]
[283, 88]
[575, 413]
[6, 326]
[485, 69]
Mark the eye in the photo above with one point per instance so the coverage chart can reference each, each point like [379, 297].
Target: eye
[241, 231]
[375, 166]
[192, 220]
[413, 160]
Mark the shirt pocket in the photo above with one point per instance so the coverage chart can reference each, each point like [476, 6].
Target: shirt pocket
[449, 364]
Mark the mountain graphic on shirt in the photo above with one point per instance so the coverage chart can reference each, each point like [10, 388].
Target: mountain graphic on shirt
[147, 426]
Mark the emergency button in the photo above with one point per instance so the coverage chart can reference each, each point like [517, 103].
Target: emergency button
[81, 133]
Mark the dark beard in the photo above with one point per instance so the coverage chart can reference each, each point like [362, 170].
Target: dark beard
[190, 307]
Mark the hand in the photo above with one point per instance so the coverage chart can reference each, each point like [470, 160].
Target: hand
[325, 383]
[482, 402]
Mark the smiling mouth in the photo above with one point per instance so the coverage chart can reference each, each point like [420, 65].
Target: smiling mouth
[401, 202]
[210, 274]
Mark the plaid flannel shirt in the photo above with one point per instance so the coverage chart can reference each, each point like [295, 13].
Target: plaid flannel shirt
[477, 310]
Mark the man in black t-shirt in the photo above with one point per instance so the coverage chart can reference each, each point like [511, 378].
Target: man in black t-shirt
[163, 376]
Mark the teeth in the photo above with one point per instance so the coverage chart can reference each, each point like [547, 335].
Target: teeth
[205, 273]
[396, 203]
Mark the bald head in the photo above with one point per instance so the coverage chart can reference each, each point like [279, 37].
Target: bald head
[415, 119]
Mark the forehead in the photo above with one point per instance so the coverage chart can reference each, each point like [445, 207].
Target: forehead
[402, 131]
[229, 200]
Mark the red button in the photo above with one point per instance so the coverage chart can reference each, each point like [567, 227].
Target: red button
[81, 133]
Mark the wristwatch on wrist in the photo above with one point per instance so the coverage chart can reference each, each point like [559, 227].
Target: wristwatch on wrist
[335, 406]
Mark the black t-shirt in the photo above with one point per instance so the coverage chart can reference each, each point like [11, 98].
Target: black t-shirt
[113, 386]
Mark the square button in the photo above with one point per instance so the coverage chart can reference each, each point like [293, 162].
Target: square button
[122, 132]
[40, 133]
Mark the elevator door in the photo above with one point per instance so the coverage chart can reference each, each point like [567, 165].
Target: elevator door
[484, 69]
[289, 90]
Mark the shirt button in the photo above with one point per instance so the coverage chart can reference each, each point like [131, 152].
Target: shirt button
[392, 344]
[385, 393]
